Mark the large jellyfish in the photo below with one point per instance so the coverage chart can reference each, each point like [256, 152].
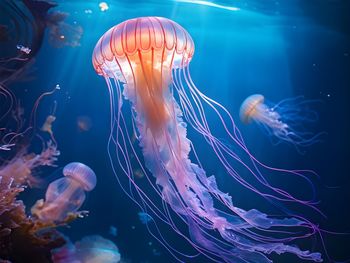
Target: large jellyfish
[284, 121]
[66, 195]
[145, 62]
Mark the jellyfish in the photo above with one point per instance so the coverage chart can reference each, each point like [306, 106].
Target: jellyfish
[144, 217]
[145, 63]
[103, 6]
[113, 231]
[284, 121]
[88, 250]
[84, 123]
[66, 195]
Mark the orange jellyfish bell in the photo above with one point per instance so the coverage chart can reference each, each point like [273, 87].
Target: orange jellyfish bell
[170, 44]
[142, 52]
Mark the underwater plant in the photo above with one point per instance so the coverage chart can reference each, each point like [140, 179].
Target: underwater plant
[23, 236]
[284, 121]
[18, 231]
[145, 62]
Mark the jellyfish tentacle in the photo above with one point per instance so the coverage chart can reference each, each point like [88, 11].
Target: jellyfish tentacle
[146, 202]
[195, 200]
[221, 148]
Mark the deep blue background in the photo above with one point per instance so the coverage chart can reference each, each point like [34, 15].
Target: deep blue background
[279, 49]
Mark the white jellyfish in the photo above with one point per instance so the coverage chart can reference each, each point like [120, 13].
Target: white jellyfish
[283, 122]
[91, 249]
[66, 195]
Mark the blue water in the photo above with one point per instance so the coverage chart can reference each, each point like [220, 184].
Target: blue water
[279, 49]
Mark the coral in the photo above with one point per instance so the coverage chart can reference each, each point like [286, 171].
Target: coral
[21, 236]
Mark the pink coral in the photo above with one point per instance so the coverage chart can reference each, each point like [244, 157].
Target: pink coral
[19, 169]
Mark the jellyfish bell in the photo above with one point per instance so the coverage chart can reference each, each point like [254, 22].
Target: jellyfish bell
[118, 50]
[249, 108]
[65, 195]
[142, 53]
[82, 174]
[145, 61]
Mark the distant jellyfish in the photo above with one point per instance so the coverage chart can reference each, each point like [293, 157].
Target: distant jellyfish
[84, 123]
[138, 173]
[91, 249]
[103, 6]
[66, 195]
[113, 231]
[284, 121]
[144, 217]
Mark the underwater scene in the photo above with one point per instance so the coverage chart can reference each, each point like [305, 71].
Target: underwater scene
[174, 131]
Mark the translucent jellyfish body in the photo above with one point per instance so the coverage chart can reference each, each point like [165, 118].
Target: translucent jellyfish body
[65, 195]
[144, 217]
[145, 62]
[91, 249]
[283, 122]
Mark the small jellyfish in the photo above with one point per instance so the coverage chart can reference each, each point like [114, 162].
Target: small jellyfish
[144, 217]
[66, 195]
[84, 123]
[103, 6]
[284, 121]
[138, 173]
[90, 249]
[113, 231]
